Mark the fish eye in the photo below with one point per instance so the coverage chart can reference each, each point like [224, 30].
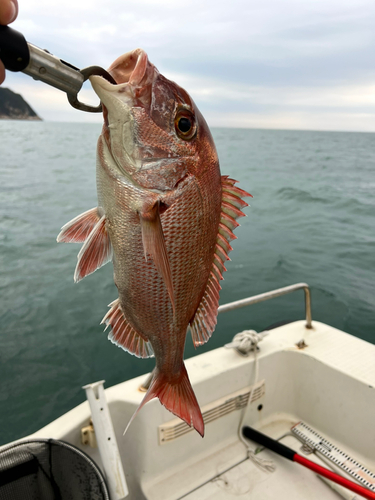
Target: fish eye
[185, 124]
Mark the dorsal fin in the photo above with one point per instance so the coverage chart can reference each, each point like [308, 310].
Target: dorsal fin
[123, 334]
[203, 324]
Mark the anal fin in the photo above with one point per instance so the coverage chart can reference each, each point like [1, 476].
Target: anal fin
[123, 334]
[154, 245]
[95, 252]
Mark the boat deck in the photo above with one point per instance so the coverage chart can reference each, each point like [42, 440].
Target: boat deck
[289, 480]
[329, 385]
[238, 476]
[246, 480]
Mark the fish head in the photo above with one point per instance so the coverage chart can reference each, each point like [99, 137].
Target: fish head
[155, 133]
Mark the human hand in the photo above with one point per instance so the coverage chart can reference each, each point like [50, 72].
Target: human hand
[8, 13]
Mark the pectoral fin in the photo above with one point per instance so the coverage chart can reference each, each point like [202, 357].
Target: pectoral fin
[78, 229]
[95, 252]
[154, 245]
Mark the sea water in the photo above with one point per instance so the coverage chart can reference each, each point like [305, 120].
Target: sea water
[311, 219]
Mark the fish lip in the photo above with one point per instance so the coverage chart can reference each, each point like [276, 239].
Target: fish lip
[100, 85]
[107, 94]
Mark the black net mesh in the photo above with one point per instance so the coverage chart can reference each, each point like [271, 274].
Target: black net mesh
[49, 470]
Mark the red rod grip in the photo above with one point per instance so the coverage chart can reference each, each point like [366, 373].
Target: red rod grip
[357, 488]
[287, 452]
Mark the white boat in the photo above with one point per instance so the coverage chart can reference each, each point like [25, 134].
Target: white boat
[304, 371]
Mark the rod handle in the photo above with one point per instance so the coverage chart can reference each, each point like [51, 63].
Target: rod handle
[268, 442]
[287, 452]
[14, 51]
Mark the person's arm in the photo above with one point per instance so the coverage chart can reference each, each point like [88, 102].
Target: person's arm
[8, 13]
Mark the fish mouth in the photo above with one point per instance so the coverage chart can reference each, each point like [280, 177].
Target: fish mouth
[133, 74]
[130, 67]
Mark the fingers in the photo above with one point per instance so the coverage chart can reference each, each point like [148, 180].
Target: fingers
[8, 11]
[2, 73]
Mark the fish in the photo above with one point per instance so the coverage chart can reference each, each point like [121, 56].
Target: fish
[165, 218]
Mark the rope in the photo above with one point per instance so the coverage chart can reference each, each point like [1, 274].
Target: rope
[245, 343]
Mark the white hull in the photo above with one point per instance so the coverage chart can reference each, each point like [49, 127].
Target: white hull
[329, 385]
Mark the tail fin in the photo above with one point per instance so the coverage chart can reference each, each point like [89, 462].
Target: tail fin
[177, 396]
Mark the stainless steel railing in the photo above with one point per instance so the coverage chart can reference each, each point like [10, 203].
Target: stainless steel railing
[254, 300]
[272, 295]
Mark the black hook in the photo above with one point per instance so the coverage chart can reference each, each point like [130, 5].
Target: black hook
[87, 72]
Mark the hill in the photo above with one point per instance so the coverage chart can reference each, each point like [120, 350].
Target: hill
[14, 107]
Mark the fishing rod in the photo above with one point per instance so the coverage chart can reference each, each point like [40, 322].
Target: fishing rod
[19, 55]
[290, 454]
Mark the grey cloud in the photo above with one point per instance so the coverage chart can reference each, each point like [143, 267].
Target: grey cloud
[276, 44]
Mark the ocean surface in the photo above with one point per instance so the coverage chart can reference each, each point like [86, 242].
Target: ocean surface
[312, 219]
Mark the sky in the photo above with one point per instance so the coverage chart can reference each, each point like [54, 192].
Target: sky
[285, 64]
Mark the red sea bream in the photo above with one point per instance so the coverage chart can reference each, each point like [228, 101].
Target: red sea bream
[165, 218]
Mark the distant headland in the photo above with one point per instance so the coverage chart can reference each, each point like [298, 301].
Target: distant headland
[14, 107]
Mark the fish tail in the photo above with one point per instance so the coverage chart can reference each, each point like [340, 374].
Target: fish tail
[177, 396]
